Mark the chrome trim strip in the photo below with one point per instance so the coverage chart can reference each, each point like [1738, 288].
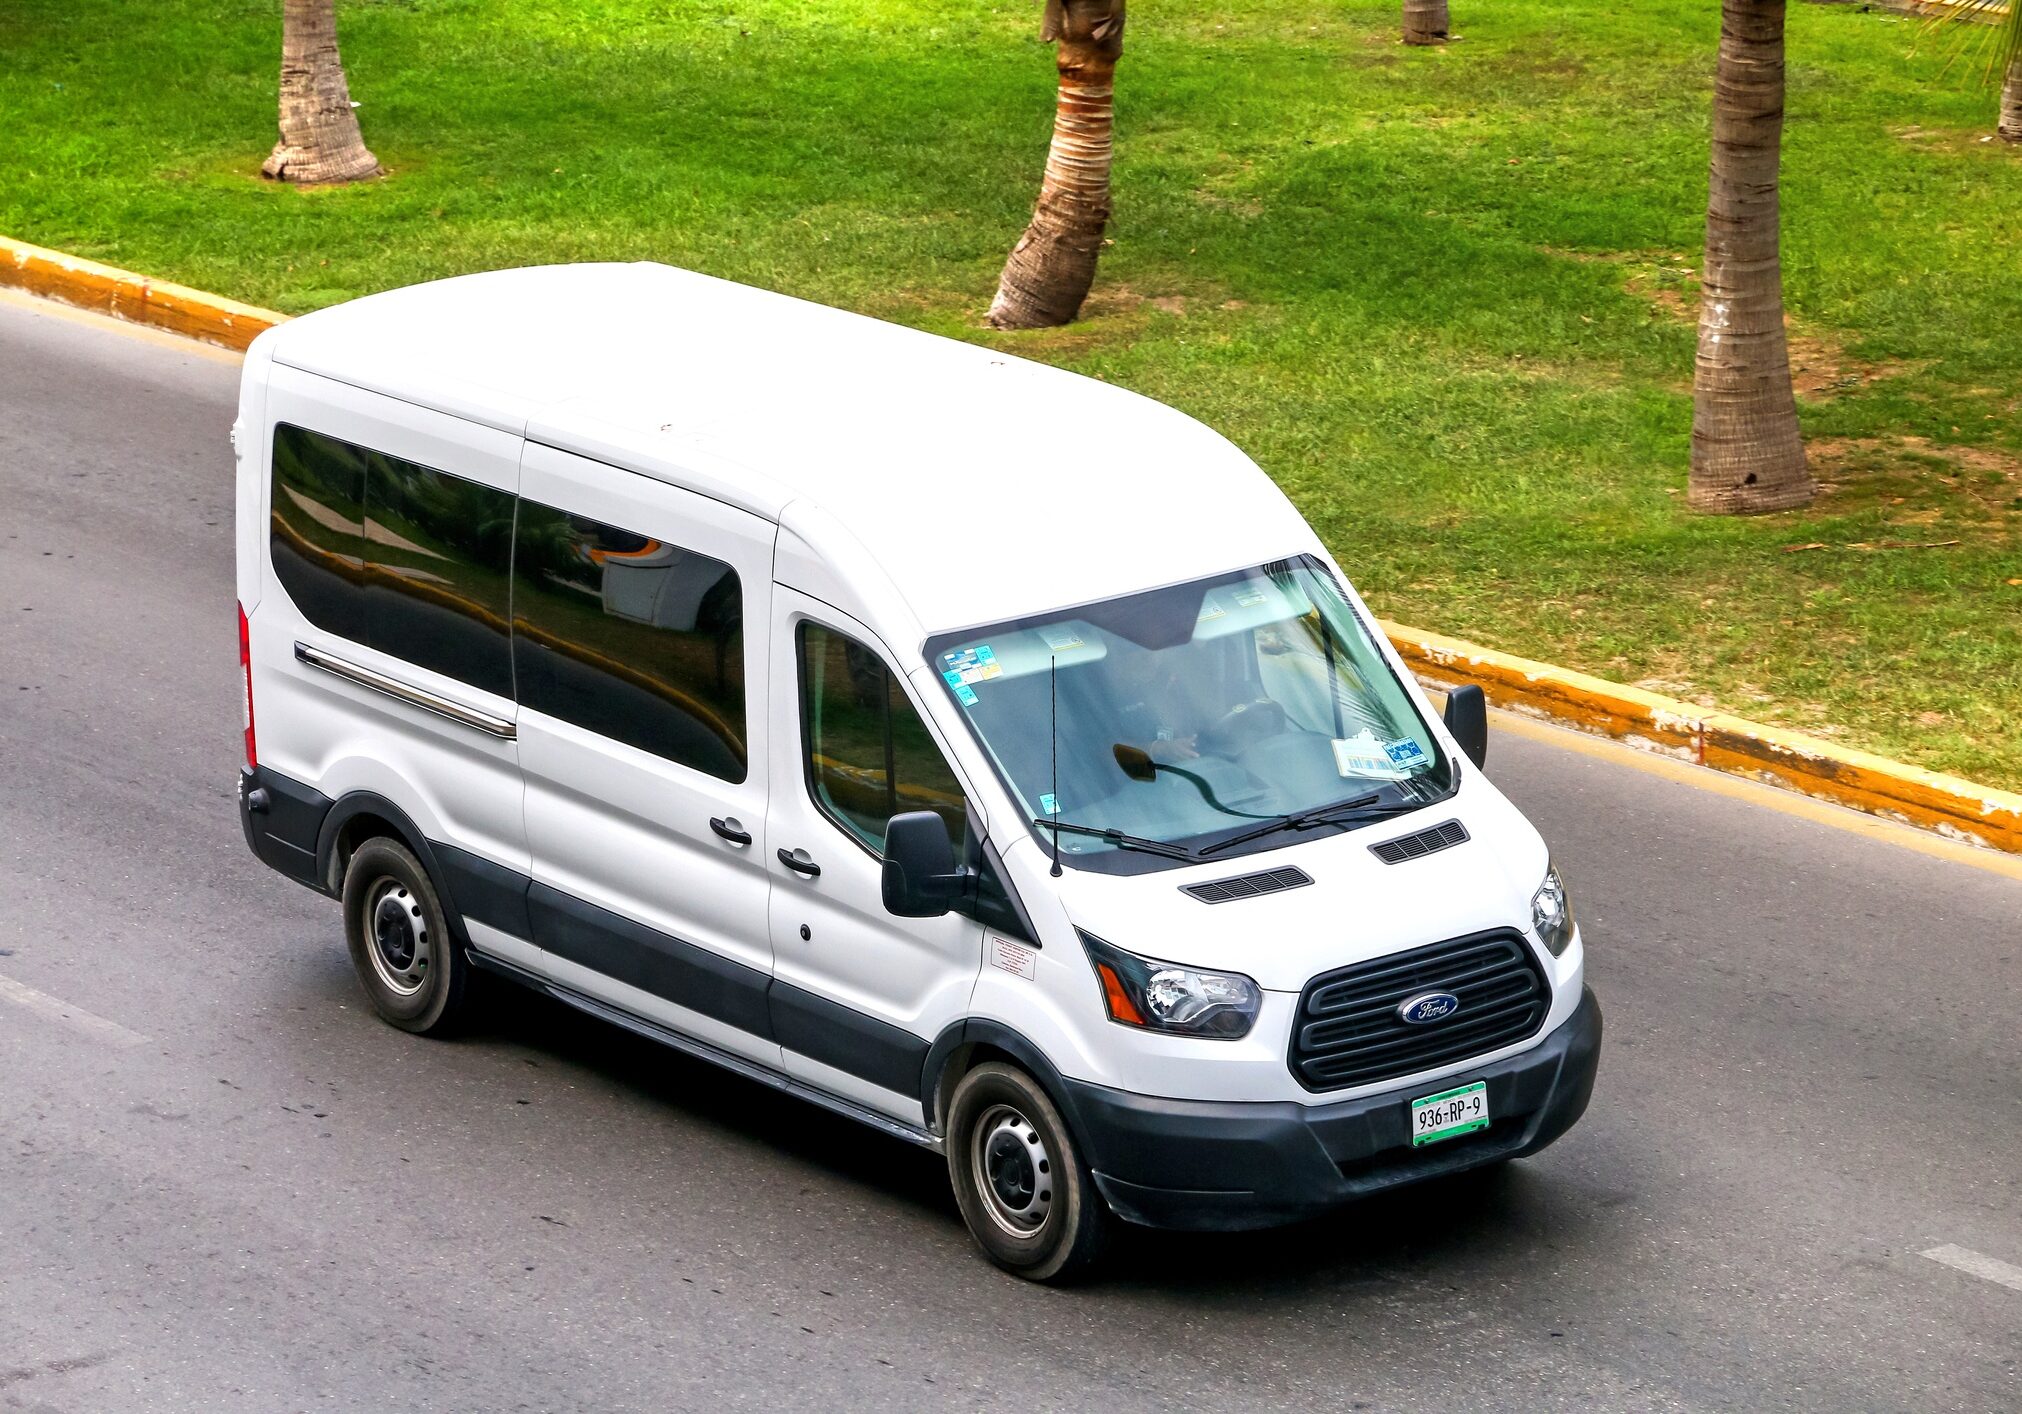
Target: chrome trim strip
[427, 701]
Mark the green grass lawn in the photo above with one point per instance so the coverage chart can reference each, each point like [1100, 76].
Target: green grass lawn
[1444, 296]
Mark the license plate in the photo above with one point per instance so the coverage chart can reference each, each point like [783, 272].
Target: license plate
[1449, 1114]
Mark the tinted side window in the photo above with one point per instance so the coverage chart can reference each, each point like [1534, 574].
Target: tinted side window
[410, 561]
[869, 756]
[438, 555]
[317, 528]
[630, 637]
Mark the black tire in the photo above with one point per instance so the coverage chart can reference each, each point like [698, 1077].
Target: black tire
[406, 958]
[1023, 1188]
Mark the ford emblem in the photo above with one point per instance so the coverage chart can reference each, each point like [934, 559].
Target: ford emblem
[1428, 1006]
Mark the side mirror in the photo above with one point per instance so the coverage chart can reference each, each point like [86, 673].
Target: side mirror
[1466, 716]
[921, 879]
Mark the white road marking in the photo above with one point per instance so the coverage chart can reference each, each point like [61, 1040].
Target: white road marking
[1978, 1264]
[63, 1013]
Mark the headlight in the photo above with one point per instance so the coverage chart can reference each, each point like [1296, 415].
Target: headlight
[1552, 913]
[1160, 996]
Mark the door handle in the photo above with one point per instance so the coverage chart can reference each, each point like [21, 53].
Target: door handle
[730, 830]
[799, 865]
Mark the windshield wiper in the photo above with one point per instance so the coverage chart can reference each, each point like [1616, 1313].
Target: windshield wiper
[1364, 806]
[1119, 838]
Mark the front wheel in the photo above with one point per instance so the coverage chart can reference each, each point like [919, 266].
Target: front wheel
[1023, 1189]
[412, 970]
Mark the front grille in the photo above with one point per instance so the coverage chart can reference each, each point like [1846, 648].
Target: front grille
[1248, 885]
[1349, 1032]
[1421, 844]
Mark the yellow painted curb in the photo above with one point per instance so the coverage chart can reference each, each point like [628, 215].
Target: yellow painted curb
[1827, 770]
[125, 295]
[1953, 807]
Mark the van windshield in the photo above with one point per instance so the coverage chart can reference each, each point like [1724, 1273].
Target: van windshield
[1198, 722]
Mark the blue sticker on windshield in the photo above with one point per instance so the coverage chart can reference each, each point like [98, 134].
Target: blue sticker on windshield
[969, 665]
[965, 694]
[1404, 753]
[1050, 804]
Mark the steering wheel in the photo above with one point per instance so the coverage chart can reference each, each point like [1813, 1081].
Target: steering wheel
[1243, 725]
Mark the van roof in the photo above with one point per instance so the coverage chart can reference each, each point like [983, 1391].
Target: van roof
[986, 486]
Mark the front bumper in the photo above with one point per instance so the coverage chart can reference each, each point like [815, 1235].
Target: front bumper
[1230, 1166]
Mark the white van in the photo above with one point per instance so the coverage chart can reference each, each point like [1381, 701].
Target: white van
[975, 749]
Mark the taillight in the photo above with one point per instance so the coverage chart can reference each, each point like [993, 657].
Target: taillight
[246, 681]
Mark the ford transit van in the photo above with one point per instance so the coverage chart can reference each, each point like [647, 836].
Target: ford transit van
[980, 751]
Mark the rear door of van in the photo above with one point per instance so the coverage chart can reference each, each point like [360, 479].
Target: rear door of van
[639, 648]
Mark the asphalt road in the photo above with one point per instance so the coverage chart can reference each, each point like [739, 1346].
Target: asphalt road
[225, 1185]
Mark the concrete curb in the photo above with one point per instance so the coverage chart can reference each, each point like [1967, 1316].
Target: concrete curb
[1956, 808]
[1952, 807]
[125, 295]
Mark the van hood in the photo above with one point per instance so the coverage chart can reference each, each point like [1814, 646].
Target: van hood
[1357, 907]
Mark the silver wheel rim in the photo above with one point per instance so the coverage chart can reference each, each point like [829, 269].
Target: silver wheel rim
[397, 937]
[1013, 1171]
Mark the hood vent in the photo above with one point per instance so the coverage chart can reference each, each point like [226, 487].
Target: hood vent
[1425, 842]
[1248, 885]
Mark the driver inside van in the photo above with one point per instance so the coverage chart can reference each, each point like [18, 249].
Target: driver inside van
[1155, 712]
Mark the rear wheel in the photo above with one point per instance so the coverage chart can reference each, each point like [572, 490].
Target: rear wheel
[413, 972]
[1021, 1184]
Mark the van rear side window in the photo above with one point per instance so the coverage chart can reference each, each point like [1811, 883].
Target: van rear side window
[318, 528]
[402, 558]
[630, 637]
[438, 561]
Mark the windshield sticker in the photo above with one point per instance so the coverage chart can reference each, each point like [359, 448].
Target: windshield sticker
[1210, 610]
[1061, 639]
[1049, 804]
[1406, 753]
[970, 665]
[1250, 596]
[1363, 755]
[965, 694]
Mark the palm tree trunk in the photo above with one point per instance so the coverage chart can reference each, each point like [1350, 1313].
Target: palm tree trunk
[1747, 454]
[2011, 100]
[1052, 266]
[320, 141]
[1425, 21]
